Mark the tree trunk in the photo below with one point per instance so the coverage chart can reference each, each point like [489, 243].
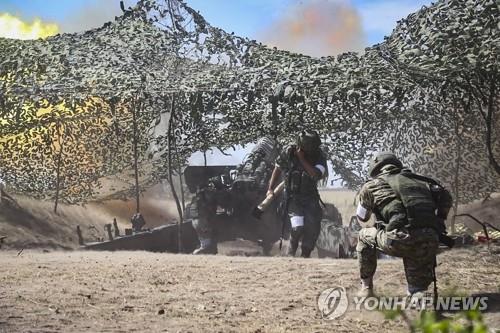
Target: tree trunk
[183, 198]
[170, 139]
[274, 115]
[181, 182]
[459, 122]
[59, 162]
[489, 126]
[458, 161]
[136, 157]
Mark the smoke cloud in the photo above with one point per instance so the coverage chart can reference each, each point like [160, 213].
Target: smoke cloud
[317, 28]
[15, 27]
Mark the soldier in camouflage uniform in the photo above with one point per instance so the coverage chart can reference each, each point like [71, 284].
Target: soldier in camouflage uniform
[304, 165]
[409, 218]
[138, 222]
[237, 196]
[202, 209]
[203, 212]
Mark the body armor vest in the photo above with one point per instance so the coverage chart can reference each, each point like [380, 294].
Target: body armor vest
[417, 198]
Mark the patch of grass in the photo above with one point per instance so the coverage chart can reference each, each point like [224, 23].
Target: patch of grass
[429, 322]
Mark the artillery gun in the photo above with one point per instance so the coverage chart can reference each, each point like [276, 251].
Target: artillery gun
[226, 196]
[235, 190]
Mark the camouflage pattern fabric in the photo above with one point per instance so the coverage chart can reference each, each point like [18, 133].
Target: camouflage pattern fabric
[2, 189]
[137, 221]
[334, 239]
[417, 247]
[402, 199]
[305, 184]
[378, 197]
[376, 193]
[202, 210]
[420, 204]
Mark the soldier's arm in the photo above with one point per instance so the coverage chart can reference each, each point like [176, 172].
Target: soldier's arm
[364, 210]
[444, 203]
[272, 182]
[315, 171]
[363, 213]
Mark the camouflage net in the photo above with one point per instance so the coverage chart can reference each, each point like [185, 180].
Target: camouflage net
[75, 107]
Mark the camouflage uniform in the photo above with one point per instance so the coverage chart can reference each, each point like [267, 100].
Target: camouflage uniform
[417, 248]
[2, 187]
[203, 212]
[394, 234]
[303, 199]
[137, 221]
[236, 193]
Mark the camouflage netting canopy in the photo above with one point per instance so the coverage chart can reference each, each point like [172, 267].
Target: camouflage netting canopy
[72, 106]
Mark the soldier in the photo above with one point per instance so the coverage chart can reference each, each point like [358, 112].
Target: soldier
[5, 198]
[235, 193]
[304, 165]
[2, 189]
[202, 210]
[410, 211]
[138, 222]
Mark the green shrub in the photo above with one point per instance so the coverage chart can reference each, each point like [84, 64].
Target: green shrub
[428, 322]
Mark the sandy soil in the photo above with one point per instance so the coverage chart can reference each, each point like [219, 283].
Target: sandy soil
[138, 291]
[30, 223]
[74, 291]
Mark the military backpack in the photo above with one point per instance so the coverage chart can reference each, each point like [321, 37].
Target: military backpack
[427, 203]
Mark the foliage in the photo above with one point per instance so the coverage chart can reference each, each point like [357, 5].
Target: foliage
[465, 322]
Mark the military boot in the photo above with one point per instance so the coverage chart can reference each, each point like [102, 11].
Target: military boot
[292, 249]
[417, 296]
[295, 236]
[306, 253]
[366, 289]
[207, 246]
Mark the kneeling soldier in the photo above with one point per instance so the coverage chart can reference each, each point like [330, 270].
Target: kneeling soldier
[410, 211]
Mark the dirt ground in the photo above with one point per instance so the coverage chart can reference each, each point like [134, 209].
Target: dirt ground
[45, 289]
[77, 291]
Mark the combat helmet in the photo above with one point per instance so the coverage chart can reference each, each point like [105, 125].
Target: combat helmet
[381, 159]
[309, 141]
